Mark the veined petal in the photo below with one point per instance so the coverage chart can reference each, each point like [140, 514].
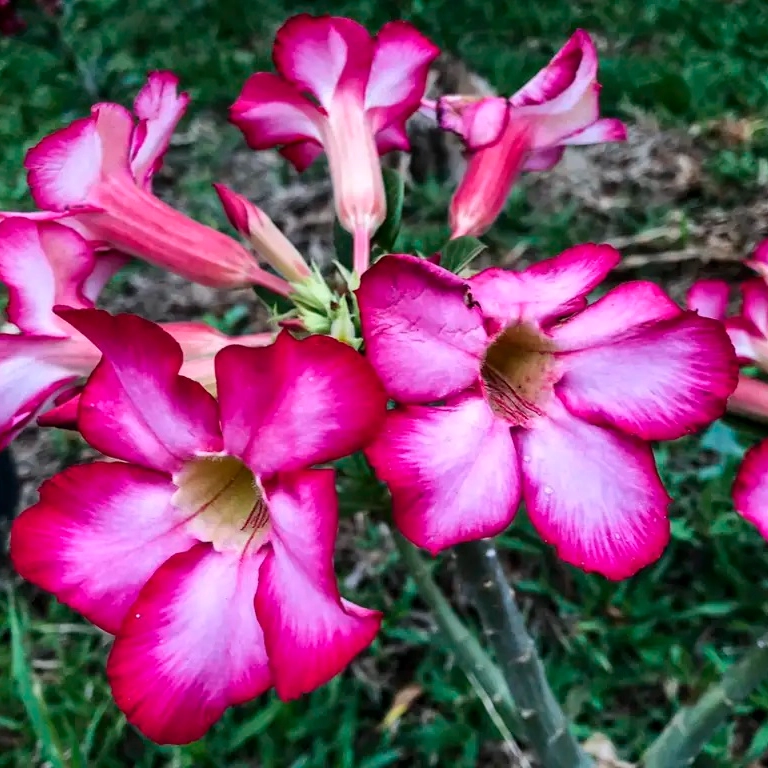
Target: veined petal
[421, 335]
[43, 264]
[709, 298]
[750, 488]
[625, 309]
[190, 645]
[271, 111]
[658, 382]
[545, 291]
[64, 166]
[398, 73]
[135, 406]
[594, 494]
[159, 108]
[289, 405]
[323, 54]
[452, 471]
[310, 633]
[96, 536]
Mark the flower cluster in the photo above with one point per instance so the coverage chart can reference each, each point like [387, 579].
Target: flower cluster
[204, 541]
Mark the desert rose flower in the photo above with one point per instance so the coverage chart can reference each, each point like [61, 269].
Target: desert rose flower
[362, 91]
[527, 131]
[207, 549]
[95, 175]
[509, 385]
[43, 359]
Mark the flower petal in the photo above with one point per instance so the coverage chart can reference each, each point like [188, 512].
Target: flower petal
[398, 73]
[546, 290]
[302, 154]
[135, 406]
[271, 111]
[479, 122]
[290, 405]
[755, 304]
[543, 159]
[190, 646]
[608, 129]
[594, 494]
[658, 382]
[421, 336]
[750, 488]
[322, 54]
[96, 536]
[107, 265]
[159, 108]
[452, 471]
[310, 633]
[709, 298]
[43, 264]
[393, 137]
[65, 166]
[629, 307]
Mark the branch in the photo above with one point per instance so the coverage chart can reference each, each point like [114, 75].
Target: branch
[544, 723]
[691, 728]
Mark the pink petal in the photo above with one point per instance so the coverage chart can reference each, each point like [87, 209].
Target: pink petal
[96, 536]
[310, 633]
[398, 73]
[271, 111]
[322, 54]
[709, 298]
[594, 494]
[107, 265]
[749, 346]
[135, 406]
[630, 307]
[114, 124]
[393, 137]
[750, 488]
[573, 66]
[34, 371]
[479, 122]
[421, 335]
[543, 159]
[296, 403]
[159, 108]
[658, 382]
[302, 154]
[63, 414]
[546, 290]
[64, 167]
[190, 646]
[42, 264]
[755, 304]
[608, 129]
[452, 471]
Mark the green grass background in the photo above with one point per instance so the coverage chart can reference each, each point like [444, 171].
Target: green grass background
[621, 657]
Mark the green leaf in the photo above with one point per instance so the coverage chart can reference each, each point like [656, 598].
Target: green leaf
[759, 745]
[460, 252]
[394, 190]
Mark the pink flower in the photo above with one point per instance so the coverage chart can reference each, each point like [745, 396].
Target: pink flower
[526, 132]
[749, 329]
[509, 385]
[96, 174]
[10, 22]
[207, 548]
[759, 260]
[364, 89]
[46, 267]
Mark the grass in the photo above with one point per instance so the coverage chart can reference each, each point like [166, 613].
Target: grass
[621, 657]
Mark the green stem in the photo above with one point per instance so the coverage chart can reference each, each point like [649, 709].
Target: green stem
[545, 726]
[463, 644]
[691, 728]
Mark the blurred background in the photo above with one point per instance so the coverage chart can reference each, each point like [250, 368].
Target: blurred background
[684, 198]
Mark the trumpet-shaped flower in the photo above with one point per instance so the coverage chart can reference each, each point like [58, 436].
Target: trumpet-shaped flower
[95, 175]
[509, 385]
[527, 131]
[43, 359]
[207, 549]
[362, 90]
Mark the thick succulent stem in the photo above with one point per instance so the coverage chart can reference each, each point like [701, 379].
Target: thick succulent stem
[544, 724]
[691, 728]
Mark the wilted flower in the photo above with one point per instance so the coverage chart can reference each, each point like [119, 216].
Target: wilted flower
[364, 89]
[509, 385]
[207, 548]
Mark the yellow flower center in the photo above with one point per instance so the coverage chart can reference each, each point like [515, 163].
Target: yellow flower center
[226, 503]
